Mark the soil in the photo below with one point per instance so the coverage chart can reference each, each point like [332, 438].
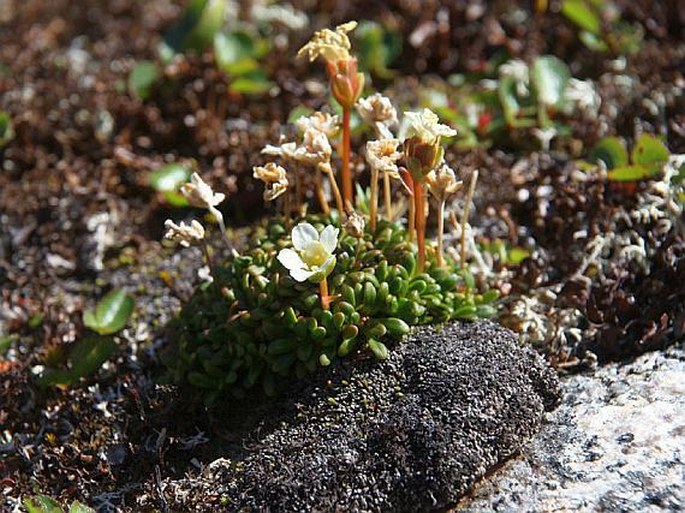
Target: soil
[77, 217]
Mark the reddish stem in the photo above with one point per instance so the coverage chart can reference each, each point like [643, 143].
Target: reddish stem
[420, 213]
[348, 194]
[325, 297]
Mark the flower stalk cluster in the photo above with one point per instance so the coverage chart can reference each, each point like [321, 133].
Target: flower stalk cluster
[346, 83]
[338, 282]
[423, 154]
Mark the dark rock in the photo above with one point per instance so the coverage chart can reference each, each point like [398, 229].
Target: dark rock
[413, 433]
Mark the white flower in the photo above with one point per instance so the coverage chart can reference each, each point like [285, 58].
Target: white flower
[443, 182]
[377, 108]
[201, 195]
[518, 71]
[313, 258]
[426, 126]
[382, 155]
[274, 178]
[183, 234]
[323, 122]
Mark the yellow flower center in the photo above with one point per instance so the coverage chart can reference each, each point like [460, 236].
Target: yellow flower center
[314, 255]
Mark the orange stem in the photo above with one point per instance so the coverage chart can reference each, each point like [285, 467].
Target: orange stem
[420, 213]
[346, 176]
[323, 290]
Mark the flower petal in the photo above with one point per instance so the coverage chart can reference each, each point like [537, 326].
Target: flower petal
[301, 274]
[329, 238]
[303, 234]
[328, 266]
[290, 259]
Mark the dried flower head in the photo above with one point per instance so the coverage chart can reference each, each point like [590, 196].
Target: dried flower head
[315, 149]
[443, 182]
[275, 179]
[201, 195]
[355, 224]
[426, 126]
[331, 45]
[323, 122]
[184, 234]
[285, 150]
[382, 155]
[377, 109]
[313, 258]
[422, 149]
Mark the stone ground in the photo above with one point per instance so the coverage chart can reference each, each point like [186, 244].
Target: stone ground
[616, 443]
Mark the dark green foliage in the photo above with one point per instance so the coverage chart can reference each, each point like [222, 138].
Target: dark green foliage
[255, 325]
[85, 358]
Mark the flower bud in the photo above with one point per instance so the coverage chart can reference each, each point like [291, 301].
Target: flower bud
[422, 157]
[346, 83]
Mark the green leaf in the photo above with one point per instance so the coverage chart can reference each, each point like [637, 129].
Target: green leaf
[89, 354]
[517, 255]
[611, 151]
[506, 90]
[175, 199]
[378, 47]
[62, 377]
[85, 358]
[298, 112]
[234, 53]
[169, 178]
[77, 507]
[42, 504]
[6, 129]
[582, 14]
[593, 41]
[252, 83]
[111, 314]
[6, 342]
[649, 151]
[396, 327]
[378, 349]
[632, 173]
[201, 20]
[550, 77]
[142, 79]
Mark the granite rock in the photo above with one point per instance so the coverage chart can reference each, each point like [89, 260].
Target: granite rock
[616, 443]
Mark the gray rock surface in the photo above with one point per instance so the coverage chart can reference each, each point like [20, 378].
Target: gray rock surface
[617, 443]
[412, 433]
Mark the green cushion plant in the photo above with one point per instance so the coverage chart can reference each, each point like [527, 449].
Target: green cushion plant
[313, 288]
[256, 325]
